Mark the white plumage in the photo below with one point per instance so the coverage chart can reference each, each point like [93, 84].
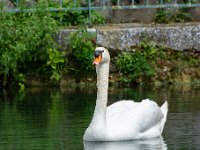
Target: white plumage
[123, 120]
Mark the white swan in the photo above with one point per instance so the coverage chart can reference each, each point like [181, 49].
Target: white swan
[123, 120]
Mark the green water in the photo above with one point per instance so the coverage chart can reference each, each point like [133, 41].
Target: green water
[55, 119]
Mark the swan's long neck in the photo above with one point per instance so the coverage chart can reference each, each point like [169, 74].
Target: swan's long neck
[102, 93]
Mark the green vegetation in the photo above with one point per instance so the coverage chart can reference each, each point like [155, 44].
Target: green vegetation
[25, 38]
[55, 59]
[166, 16]
[183, 15]
[149, 62]
[162, 16]
[80, 54]
[138, 65]
[75, 17]
[28, 47]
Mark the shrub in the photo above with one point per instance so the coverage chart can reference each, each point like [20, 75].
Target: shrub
[183, 15]
[80, 53]
[55, 59]
[28, 47]
[162, 16]
[75, 17]
[25, 38]
[165, 16]
[139, 64]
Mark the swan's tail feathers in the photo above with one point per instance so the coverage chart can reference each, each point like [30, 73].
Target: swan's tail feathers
[164, 109]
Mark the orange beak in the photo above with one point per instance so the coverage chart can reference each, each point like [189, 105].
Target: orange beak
[97, 60]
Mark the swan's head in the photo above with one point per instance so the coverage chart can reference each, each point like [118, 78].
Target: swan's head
[101, 55]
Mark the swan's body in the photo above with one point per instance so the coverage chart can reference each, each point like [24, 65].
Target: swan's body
[123, 120]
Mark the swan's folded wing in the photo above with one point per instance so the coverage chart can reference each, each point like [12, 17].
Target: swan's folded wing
[132, 120]
[119, 107]
[150, 113]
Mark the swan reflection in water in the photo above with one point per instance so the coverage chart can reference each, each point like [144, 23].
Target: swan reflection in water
[150, 144]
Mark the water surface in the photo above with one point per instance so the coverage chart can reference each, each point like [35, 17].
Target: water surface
[44, 118]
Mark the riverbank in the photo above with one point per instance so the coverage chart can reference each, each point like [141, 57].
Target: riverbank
[174, 52]
[170, 67]
[140, 53]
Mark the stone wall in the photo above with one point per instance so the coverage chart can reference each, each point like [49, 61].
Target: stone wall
[125, 36]
[175, 36]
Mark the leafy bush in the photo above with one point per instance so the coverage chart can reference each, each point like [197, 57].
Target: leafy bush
[75, 17]
[55, 59]
[139, 64]
[28, 47]
[25, 38]
[162, 16]
[80, 53]
[183, 15]
[165, 16]
[133, 66]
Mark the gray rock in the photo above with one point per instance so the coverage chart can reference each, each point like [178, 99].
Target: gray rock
[121, 37]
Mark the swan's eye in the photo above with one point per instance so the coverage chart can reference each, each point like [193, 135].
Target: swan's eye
[97, 57]
[96, 54]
